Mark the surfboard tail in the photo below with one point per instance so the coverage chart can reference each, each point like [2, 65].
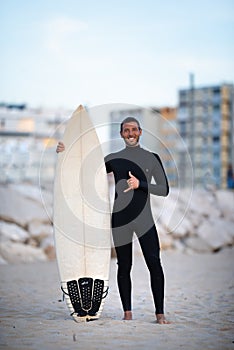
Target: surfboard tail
[85, 296]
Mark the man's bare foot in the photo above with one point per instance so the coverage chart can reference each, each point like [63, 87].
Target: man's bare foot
[127, 315]
[161, 319]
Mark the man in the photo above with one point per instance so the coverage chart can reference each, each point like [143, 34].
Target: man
[133, 169]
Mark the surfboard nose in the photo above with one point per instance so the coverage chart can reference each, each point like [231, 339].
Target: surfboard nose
[80, 108]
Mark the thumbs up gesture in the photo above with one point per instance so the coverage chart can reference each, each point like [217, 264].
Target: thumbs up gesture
[133, 182]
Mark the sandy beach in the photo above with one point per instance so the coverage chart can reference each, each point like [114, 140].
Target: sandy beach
[199, 302]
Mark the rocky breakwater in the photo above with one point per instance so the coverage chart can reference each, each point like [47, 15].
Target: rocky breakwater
[26, 232]
[197, 220]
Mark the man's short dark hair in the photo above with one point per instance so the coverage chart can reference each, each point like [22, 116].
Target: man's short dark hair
[129, 120]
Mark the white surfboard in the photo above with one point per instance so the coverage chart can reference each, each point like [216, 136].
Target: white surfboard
[82, 219]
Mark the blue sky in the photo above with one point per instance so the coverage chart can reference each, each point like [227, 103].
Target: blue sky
[65, 52]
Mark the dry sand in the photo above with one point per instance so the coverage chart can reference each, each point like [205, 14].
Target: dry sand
[199, 302]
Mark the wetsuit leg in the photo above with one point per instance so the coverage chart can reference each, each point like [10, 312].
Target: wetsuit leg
[124, 261]
[151, 250]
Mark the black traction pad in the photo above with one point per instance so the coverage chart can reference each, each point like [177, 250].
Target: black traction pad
[73, 292]
[97, 297]
[86, 295]
[86, 287]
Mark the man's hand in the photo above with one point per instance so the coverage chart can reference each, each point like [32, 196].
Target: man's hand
[133, 183]
[60, 147]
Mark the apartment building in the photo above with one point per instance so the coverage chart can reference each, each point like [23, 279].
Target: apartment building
[27, 143]
[205, 122]
[169, 142]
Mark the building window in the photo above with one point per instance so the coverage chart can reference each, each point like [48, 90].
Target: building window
[216, 139]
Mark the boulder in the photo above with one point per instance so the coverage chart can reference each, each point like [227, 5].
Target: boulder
[12, 232]
[225, 203]
[50, 252]
[37, 194]
[176, 223]
[47, 244]
[217, 233]
[178, 245]
[32, 242]
[203, 203]
[165, 241]
[39, 231]
[224, 227]
[187, 220]
[195, 219]
[2, 261]
[14, 253]
[197, 244]
[20, 210]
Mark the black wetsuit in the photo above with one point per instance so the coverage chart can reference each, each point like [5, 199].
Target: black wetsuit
[132, 213]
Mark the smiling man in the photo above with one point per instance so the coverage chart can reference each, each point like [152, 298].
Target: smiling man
[133, 169]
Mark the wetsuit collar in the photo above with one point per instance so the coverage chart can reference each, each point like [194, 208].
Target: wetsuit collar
[132, 149]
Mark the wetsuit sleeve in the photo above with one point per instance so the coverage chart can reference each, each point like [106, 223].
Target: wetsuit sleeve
[161, 188]
[107, 161]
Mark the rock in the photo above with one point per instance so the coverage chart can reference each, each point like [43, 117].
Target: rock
[175, 223]
[203, 203]
[32, 242]
[197, 214]
[40, 231]
[166, 241]
[14, 253]
[47, 245]
[9, 231]
[50, 252]
[171, 213]
[47, 241]
[225, 203]
[224, 227]
[216, 233]
[187, 220]
[113, 253]
[178, 245]
[195, 219]
[37, 194]
[197, 244]
[20, 210]
[2, 261]
[27, 191]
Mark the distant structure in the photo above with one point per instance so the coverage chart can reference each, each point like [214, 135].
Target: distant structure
[205, 122]
[27, 143]
[169, 142]
[195, 140]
